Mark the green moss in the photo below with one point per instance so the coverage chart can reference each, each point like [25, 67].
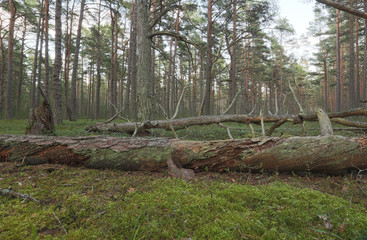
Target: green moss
[106, 204]
[130, 160]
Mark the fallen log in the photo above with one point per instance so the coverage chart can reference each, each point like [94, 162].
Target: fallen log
[183, 123]
[326, 154]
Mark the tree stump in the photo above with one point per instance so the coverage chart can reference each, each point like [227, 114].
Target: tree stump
[40, 119]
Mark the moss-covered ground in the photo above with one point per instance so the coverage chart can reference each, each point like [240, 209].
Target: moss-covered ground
[79, 203]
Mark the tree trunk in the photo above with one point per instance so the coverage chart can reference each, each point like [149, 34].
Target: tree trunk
[170, 79]
[68, 36]
[35, 60]
[9, 89]
[39, 78]
[144, 100]
[75, 64]
[232, 73]
[352, 82]
[2, 69]
[338, 88]
[209, 61]
[130, 97]
[57, 65]
[99, 62]
[326, 87]
[328, 154]
[47, 67]
[364, 81]
[357, 79]
[21, 70]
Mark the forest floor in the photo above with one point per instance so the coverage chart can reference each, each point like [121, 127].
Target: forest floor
[80, 203]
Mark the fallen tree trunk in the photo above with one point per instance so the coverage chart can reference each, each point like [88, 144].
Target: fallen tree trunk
[182, 123]
[327, 154]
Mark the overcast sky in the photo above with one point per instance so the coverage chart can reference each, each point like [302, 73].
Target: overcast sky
[300, 14]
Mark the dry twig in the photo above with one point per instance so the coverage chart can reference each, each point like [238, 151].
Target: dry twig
[18, 195]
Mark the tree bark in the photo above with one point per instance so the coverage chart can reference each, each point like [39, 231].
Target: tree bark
[130, 96]
[47, 64]
[328, 154]
[233, 55]
[57, 65]
[2, 67]
[144, 100]
[21, 70]
[99, 62]
[9, 89]
[35, 60]
[338, 88]
[352, 80]
[364, 81]
[209, 61]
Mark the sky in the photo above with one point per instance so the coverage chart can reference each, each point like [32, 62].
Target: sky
[300, 14]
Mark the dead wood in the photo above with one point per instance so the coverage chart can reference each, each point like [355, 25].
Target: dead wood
[324, 122]
[17, 195]
[183, 123]
[326, 154]
[40, 119]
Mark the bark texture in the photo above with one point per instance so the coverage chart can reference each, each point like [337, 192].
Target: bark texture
[327, 154]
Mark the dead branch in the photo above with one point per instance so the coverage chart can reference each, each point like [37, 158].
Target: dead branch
[348, 123]
[207, 120]
[233, 101]
[276, 125]
[295, 97]
[18, 195]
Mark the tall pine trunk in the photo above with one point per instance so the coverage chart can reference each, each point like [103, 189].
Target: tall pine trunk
[47, 66]
[75, 64]
[2, 69]
[99, 62]
[20, 82]
[338, 88]
[144, 100]
[130, 97]
[351, 85]
[364, 85]
[57, 65]
[9, 89]
[232, 73]
[209, 61]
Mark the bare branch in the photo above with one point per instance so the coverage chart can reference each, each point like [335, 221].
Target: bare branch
[179, 102]
[228, 130]
[18, 195]
[295, 97]
[233, 101]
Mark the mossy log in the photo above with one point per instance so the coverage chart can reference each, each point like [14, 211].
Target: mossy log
[327, 154]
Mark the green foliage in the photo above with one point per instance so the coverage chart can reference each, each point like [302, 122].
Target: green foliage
[106, 204]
